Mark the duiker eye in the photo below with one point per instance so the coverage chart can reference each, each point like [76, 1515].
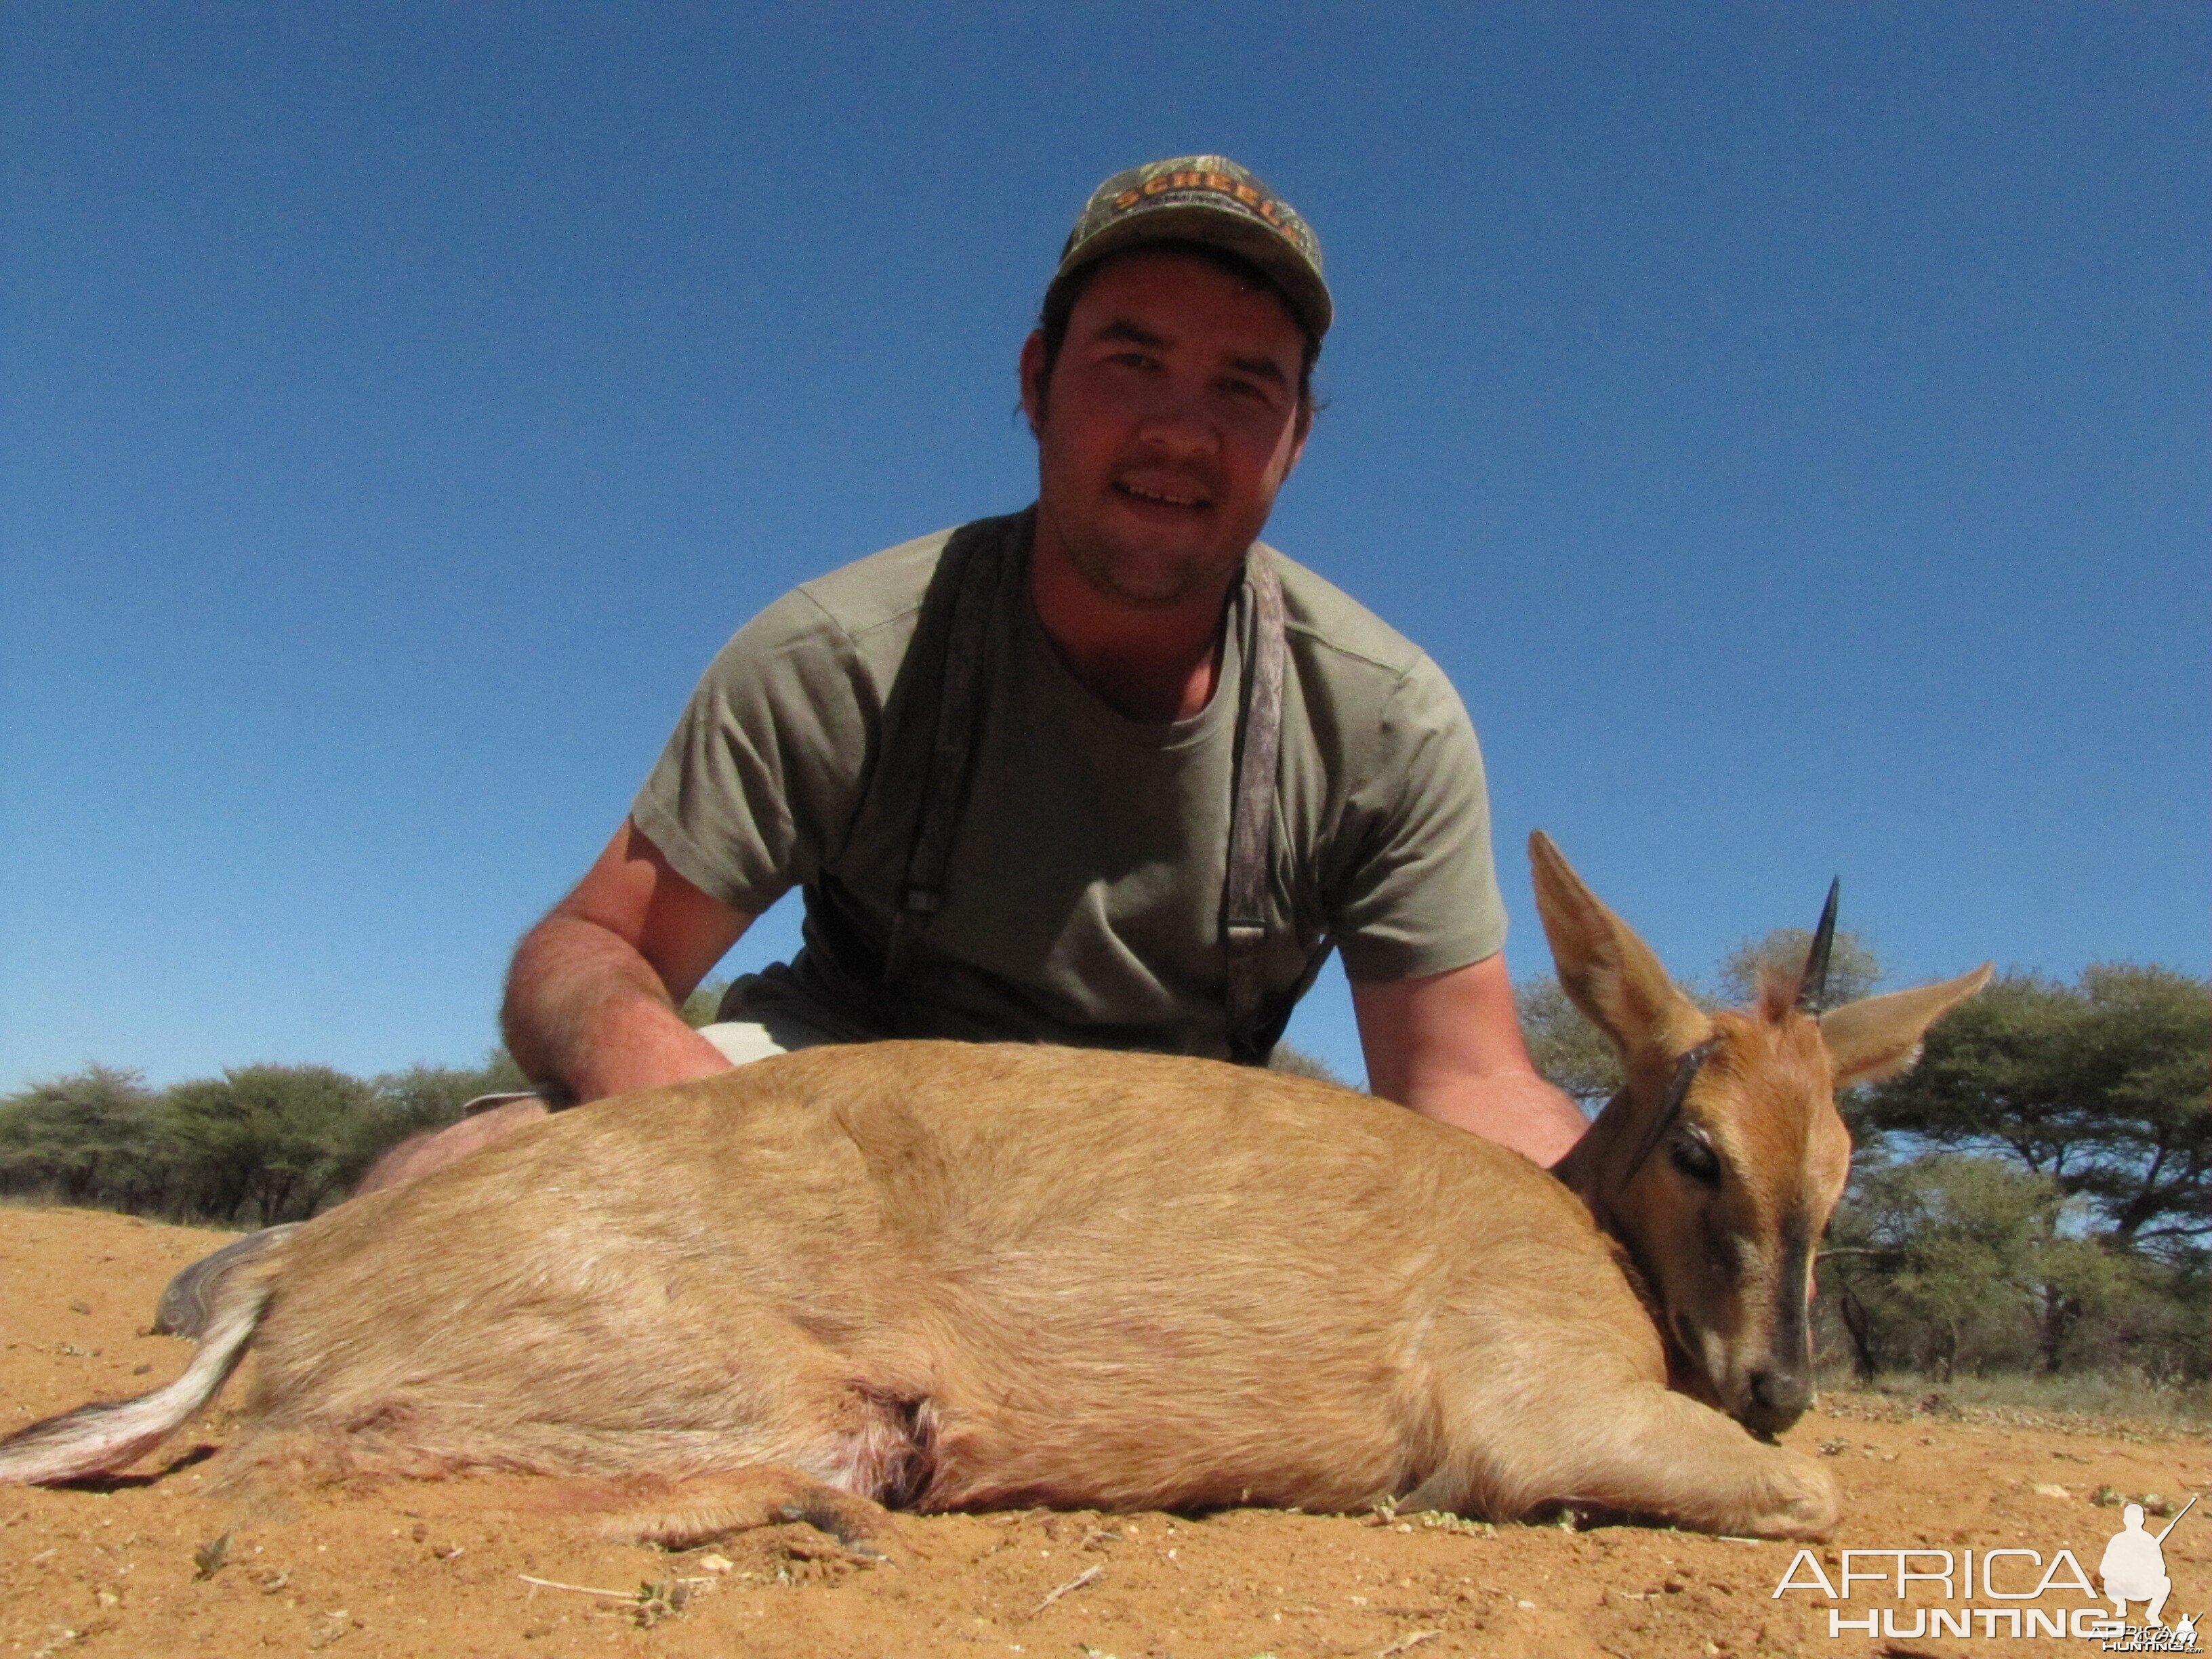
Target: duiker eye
[1694, 1157]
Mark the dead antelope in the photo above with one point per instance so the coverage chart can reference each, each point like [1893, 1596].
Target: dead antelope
[949, 1276]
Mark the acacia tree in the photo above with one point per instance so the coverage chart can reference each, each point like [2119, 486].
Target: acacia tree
[1951, 1262]
[261, 1142]
[86, 1138]
[2101, 1086]
[277, 1138]
[2064, 1180]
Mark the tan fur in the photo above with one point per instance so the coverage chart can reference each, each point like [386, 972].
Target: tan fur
[948, 1275]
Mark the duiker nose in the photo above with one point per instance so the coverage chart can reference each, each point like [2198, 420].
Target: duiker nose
[1778, 1398]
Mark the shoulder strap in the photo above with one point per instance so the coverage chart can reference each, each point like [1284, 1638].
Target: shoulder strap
[977, 554]
[1252, 813]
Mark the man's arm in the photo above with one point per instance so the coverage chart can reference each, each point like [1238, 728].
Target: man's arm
[1450, 1046]
[592, 997]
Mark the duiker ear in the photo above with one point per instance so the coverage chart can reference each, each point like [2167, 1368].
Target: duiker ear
[1880, 1037]
[1611, 974]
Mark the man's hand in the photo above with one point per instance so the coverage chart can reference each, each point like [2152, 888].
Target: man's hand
[417, 1156]
[592, 995]
[1450, 1046]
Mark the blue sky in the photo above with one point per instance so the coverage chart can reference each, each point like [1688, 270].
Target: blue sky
[1787, 424]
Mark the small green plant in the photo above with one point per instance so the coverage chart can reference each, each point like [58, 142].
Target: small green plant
[208, 1560]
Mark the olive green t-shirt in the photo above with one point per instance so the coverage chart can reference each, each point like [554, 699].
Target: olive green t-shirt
[1082, 900]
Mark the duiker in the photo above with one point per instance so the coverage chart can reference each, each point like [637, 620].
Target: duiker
[1718, 1165]
[948, 1275]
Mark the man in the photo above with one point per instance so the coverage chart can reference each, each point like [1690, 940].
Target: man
[1022, 770]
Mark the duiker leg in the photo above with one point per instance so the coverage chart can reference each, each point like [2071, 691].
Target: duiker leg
[1639, 1450]
[1676, 1457]
[683, 1513]
[604, 1357]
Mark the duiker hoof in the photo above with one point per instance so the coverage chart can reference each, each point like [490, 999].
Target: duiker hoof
[685, 1513]
[1807, 1504]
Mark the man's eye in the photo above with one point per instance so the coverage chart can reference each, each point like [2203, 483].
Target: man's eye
[1695, 1160]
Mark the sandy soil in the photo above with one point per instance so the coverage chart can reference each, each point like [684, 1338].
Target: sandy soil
[447, 1568]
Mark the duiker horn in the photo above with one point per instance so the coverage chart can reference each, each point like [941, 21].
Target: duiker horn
[1812, 983]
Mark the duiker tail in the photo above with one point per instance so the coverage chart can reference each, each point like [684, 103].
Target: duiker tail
[109, 1434]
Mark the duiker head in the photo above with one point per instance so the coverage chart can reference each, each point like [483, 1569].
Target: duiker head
[1717, 1164]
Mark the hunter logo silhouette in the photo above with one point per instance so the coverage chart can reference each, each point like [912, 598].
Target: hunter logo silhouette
[2134, 1567]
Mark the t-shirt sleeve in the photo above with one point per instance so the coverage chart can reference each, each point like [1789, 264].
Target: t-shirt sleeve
[758, 784]
[1417, 893]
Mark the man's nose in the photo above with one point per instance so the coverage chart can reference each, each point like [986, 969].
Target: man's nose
[1178, 419]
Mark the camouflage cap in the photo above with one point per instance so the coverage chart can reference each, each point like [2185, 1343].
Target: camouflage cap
[1208, 199]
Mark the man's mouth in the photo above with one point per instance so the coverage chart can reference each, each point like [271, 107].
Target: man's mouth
[1187, 500]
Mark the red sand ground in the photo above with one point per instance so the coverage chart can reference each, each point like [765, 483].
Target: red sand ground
[445, 1568]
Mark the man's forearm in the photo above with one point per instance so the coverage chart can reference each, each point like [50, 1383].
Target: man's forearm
[1514, 1107]
[585, 1011]
[1450, 1046]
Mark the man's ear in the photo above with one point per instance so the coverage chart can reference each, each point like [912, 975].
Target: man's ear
[1300, 434]
[1032, 372]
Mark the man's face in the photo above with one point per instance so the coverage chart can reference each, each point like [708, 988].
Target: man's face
[1170, 421]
